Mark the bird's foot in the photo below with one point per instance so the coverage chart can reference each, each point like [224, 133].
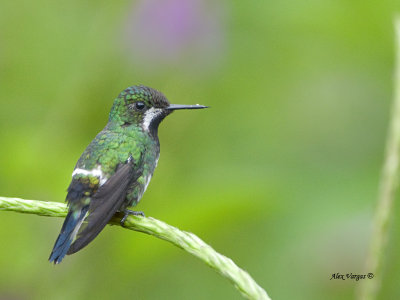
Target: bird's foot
[127, 213]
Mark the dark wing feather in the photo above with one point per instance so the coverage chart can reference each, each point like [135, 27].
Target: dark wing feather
[104, 204]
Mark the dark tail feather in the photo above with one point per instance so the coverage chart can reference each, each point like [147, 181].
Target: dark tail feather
[67, 234]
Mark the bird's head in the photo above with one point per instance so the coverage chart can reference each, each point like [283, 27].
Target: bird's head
[143, 106]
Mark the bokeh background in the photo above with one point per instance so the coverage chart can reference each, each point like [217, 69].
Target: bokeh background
[281, 174]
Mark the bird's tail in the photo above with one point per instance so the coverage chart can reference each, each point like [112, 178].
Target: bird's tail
[68, 232]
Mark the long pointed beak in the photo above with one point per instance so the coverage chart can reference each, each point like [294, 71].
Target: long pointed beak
[180, 106]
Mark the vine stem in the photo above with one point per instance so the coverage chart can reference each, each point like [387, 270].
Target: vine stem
[387, 190]
[182, 239]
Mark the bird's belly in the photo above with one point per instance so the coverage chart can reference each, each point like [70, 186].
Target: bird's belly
[147, 179]
[138, 188]
[146, 184]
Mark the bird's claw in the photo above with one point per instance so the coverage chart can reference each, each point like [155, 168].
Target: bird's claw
[130, 213]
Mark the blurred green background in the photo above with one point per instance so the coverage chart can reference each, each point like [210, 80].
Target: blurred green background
[280, 175]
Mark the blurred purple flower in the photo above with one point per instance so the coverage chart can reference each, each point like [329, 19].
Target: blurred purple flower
[171, 30]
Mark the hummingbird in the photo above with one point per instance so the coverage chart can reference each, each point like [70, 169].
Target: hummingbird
[115, 169]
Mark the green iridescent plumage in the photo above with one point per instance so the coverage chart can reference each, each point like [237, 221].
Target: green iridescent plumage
[115, 169]
[115, 146]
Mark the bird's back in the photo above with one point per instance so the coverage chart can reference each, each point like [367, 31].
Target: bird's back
[115, 146]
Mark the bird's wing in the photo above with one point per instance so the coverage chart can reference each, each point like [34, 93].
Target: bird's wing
[105, 203]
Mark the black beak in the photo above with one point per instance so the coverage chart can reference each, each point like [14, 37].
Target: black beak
[180, 106]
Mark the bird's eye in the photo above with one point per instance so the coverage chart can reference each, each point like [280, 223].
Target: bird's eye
[139, 105]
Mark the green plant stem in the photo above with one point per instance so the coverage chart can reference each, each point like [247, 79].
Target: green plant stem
[184, 240]
[387, 190]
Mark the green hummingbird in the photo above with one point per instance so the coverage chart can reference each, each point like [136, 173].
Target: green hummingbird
[115, 169]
